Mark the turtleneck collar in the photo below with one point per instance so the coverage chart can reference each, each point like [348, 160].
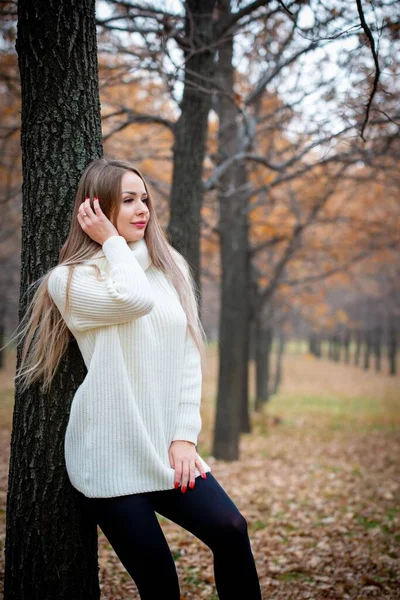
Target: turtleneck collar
[140, 250]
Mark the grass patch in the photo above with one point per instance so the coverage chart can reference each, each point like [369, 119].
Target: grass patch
[368, 523]
[337, 413]
[392, 513]
[257, 525]
[192, 577]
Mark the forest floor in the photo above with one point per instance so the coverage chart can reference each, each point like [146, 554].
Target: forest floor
[318, 481]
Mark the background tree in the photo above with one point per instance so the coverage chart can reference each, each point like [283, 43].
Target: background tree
[191, 132]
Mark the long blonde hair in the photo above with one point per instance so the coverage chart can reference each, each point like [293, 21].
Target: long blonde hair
[43, 329]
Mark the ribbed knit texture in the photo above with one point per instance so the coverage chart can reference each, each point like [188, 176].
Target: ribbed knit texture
[143, 385]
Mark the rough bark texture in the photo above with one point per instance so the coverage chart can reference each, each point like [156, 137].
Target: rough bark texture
[234, 318]
[51, 550]
[191, 133]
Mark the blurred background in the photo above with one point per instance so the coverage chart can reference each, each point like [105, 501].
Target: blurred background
[298, 263]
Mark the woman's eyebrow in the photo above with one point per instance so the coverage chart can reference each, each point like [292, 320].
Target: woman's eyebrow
[134, 193]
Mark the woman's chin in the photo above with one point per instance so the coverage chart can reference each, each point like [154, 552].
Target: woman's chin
[133, 236]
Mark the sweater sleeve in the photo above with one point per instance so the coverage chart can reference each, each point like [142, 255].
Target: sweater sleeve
[120, 296]
[189, 421]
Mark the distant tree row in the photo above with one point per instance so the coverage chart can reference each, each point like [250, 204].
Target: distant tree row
[365, 347]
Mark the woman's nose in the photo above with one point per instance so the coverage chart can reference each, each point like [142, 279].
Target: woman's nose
[142, 211]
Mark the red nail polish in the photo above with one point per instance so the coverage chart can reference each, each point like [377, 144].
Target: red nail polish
[204, 476]
[191, 485]
[176, 484]
[184, 489]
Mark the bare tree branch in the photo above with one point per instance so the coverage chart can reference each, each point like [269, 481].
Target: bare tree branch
[370, 37]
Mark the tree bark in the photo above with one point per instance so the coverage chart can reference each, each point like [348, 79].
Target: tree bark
[51, 549]
[357, 351]
[330, 347]
[392, 345]
[234, 318]
[377, 343]
[311, 343]
[2, 334]
[367, 349]
[263, 363]
[191, 133]
[337, 346]
[346, 343]
[314, 344]
[279, 361]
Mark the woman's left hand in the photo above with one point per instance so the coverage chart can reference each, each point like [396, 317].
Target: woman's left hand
[184, 459]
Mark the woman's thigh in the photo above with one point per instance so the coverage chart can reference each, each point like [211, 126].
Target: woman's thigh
[132, 528]
[206, 511]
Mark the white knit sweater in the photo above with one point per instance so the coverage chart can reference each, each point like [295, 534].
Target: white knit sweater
[143, 385]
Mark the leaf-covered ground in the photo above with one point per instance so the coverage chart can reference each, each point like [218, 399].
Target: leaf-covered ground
[318, 481]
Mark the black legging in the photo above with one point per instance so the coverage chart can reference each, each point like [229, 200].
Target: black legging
[131, 526]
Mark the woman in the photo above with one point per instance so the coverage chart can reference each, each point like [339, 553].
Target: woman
[130, 446]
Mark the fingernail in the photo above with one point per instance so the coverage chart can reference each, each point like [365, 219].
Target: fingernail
[176, 484]
[204, 476]
[96, 198]
[184, 489]
[87, 198]
[191, 485]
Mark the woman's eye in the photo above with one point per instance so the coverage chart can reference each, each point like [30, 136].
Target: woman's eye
[131, 200]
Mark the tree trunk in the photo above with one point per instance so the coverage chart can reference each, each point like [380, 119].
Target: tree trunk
[336, 346]
[318, 345]
[377, 343]
[392, 345]
[191, 134]
[312, 343]
[279, 362]
[2, 334]
[357, 351]
[346, 343]
[367, 349]
[51, 549]
[321, 344]
[330, 347]
[245, 425]
[252, 336]
[234, 318]
[263, 363]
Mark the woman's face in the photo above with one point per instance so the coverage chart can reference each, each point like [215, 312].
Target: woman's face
[133, 207]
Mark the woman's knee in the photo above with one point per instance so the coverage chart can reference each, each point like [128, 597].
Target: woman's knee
[239, 524]
[233, 527]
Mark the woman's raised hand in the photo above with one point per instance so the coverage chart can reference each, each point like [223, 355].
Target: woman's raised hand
[94, 222]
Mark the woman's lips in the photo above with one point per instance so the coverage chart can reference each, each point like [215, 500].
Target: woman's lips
[140, 225]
